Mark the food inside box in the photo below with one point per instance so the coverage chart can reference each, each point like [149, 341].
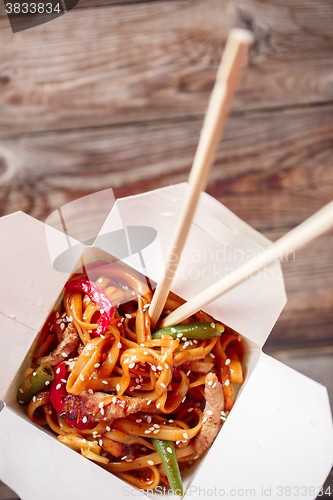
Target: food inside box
[142, 404]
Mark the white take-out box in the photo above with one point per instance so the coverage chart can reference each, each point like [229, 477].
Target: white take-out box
[278, 439]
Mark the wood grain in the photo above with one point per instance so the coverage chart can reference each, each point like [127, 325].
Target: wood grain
[273, 170]
[157, 60]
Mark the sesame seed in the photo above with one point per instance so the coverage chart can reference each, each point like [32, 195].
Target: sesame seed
[147, 432]
[90, 391]
[184, 339]
[69, 318]
[100, 442]
[138, 420]
[166, 366]
[209, 412]
[204, 420]
[47, 382]
[214, 385]
[84, 441]
[122, 319]
[195, 341]
[177, 442]
[210, 382]
[169, 449]
[148, 402]
[64, 354]
[132, 388]
[189, 409]
[118, 387]
[223, 418]
[183, 399]
[81, 377]
[226, 383]
[128, 316]
[137, 387]
[118, 324]
[170, 421]
[149, 419]
[99, 280]
[125, 361]
[227, 361]
[84, 420]
[156, 431]
[160, 367]
[179, 335]
[57, 315]
[102, 411]
[158, 405]
[114, 399]
[59, 321]
[102, 337]
[132, 365]
[101, 404]
[163, 385]
[21, 402]
[96, 365]
[185, 435]
[62, 326]
[223, 413]
[21, 390]
[173, 330]
[119, 345]
[64, 380]
[212, 325]
[212, 355]
[58, 386]
[145, 353]
[151, 428]
[150, 462]
[34, 399]
[188, 372]
[153, 368]
[108, 428]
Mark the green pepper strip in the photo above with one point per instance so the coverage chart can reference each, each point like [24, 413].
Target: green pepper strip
[201, 330]
[31, 386]
[167, 453]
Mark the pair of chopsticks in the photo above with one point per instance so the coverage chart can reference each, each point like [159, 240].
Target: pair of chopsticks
[228, 76]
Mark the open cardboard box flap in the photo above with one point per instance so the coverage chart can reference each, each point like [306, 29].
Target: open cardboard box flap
[279, 432]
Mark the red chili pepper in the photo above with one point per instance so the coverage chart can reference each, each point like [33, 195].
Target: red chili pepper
[58, 393]
[96, 294]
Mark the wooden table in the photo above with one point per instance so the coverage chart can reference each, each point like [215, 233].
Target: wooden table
[113, 94]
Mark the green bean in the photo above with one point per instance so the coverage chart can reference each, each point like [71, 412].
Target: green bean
[200, 330]
[31, 386]
[167, 453]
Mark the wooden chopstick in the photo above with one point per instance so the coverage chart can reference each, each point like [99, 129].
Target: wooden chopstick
[307, 231]
[227, 79]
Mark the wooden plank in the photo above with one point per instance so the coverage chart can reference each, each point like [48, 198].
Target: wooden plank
[273, 170]
[157, 60]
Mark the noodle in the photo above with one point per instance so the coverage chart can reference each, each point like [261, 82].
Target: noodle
[114, 392]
